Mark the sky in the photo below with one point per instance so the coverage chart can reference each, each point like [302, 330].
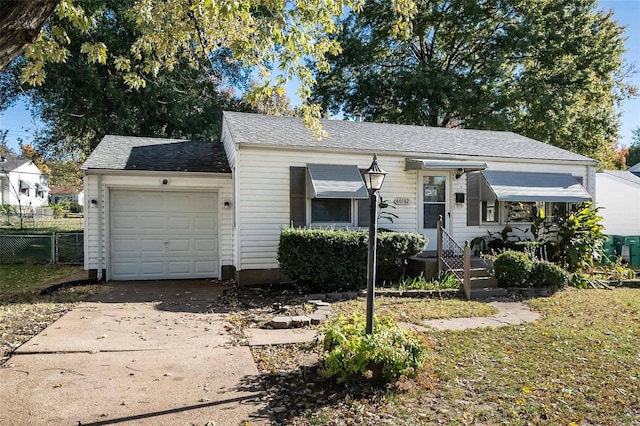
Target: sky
[627, 12]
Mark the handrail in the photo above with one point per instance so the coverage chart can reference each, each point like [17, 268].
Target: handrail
[455, 258]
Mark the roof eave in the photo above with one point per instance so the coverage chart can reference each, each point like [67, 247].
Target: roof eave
[586, 161]
[96, 171]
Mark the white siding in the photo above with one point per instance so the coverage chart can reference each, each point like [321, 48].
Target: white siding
[262, 197]
[145, 181]
[620, 202]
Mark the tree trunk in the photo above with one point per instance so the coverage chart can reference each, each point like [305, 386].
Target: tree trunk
[20, 24]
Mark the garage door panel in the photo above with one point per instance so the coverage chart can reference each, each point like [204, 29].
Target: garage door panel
[205, 224]
[179, 223]
[202, 266]
[179, 246]
[163, 235]
[176, 267]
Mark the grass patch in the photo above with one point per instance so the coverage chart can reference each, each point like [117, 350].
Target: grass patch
[23, 311]
[41, 226]
[576, 365]
[416, 310]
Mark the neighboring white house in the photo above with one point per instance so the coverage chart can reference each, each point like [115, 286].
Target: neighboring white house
[72, 193]
[22, 183]
[148, 206]
[619, 197]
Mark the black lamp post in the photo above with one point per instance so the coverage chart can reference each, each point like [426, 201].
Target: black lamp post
[373, 178]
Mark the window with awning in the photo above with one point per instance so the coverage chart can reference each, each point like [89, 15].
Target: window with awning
[530, 187]
[501, 196]
[334, 194]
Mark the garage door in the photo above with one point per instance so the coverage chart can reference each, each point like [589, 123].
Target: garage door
[163, 235]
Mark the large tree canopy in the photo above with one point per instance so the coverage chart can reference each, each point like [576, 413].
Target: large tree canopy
[548, 69]
[82, 100]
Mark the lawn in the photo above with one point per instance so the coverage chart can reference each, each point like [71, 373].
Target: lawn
[23, 311]
[417, 310]
[578, 365]
[40, 226]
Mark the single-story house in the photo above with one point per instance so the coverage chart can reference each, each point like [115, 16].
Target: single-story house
[619, 197]
[160, 208]
[62, 193]
[22, 184]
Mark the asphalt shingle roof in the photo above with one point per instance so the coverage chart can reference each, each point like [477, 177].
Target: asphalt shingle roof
[258, 129]
[9, 165]
[154, 154]
[635, 168]
[624, 175]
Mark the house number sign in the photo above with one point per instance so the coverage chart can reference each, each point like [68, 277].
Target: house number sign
[401, 201]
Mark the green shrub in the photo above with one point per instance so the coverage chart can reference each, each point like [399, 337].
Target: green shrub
[331, 260]
[75, 208]
[512, 269]
[545, 274]
[388, 354]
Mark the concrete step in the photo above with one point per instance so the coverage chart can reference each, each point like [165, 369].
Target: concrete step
[474, 272]
[483, 282]
[486, 293]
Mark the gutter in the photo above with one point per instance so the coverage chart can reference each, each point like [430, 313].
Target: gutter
[586, 161]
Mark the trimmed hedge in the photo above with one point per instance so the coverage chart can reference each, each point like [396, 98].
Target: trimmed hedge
[331, 260]
[512, 268]
[545, 274]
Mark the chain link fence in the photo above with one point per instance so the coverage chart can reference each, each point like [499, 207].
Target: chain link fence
[65, 248]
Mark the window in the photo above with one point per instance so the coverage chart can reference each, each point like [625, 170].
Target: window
[311, 203]
[331, 210]
[522, 212]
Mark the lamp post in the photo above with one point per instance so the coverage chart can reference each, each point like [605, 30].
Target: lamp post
[373, 178]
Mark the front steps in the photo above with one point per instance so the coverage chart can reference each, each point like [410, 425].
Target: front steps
[483, 285]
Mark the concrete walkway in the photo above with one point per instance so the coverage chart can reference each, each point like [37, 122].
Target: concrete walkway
[509, 313]
[140, 353]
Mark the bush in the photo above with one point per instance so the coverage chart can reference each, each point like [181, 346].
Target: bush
[388, 354]
[545, 274]
[512, 269]
[75, 208]
[331, 260]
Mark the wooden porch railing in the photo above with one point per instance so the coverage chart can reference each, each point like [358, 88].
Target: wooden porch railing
[454, 258]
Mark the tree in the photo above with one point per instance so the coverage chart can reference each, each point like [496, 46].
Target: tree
[82, 100]
[255, 33]
[21, 22]
[633, 156]
[546, 69]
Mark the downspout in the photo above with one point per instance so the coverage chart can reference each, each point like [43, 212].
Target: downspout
[100, 227]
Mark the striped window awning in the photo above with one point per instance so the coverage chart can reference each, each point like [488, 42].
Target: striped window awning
[335, 181]
[528, 186]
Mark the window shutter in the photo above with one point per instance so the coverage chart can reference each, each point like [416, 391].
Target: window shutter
[298, 196]
[473, 199]
[363, 213]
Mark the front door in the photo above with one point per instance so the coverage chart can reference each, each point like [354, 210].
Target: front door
[434, 202]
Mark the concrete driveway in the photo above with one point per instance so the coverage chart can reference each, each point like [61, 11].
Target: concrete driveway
[144, 353]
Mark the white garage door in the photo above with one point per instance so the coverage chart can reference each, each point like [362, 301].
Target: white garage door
[163, 235]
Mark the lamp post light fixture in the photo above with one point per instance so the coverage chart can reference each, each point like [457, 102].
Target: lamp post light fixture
[373, 178]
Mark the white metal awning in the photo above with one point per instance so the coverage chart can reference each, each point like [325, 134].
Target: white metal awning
[335, 181]
[429, 164]
[25, 184]
[525, 186]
